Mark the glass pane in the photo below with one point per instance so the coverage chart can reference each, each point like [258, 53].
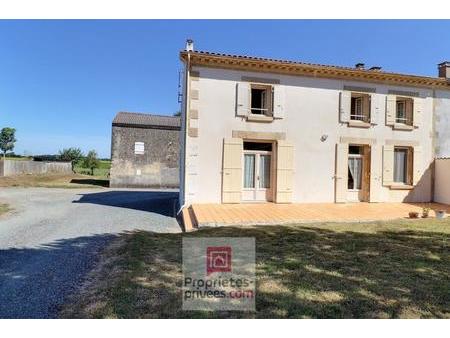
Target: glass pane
[358, 172]
[264, 171]
[401, 112]
[356, 109]
[350, 182]
[249, 171]
[257, 101]
[354, 173]
[400, 161]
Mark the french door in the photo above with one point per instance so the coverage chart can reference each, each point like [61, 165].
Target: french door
[257, 185]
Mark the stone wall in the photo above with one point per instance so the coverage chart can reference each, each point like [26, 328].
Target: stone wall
[158, 167]
[14, 167]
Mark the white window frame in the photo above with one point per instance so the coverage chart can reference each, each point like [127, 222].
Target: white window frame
[405, 119]
[139, 148]
[267, 98]
[359, 103]
[407, 167]
[360, 156]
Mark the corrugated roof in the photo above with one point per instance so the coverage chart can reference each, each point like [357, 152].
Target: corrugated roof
[147, 120]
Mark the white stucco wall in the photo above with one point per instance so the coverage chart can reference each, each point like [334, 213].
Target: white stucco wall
[311, 110]
[442, 123]
[442, 182]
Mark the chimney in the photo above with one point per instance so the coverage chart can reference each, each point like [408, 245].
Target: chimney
[189, 45]
[375, 68]
[444, 70]
[359, 66]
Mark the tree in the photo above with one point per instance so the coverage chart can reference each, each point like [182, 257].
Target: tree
[72, 155]
[7, 140]
[91, 161]
[178, 113]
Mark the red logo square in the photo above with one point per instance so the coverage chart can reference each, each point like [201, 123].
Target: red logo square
[218, 259]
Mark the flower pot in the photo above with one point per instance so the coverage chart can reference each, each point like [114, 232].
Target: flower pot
[413, 214]
[440, 214]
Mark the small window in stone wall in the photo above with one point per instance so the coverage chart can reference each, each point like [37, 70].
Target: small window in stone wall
[139, 148]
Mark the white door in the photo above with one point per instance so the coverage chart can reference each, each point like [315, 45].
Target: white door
[257, 176]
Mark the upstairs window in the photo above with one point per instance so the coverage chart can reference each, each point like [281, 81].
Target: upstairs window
[360, 107]
[404, 111]
[261, 100]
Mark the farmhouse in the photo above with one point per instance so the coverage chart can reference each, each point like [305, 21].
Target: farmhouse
[264, 130]
[145, 151]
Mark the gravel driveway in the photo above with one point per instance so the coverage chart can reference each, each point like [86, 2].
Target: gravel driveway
[53, 236]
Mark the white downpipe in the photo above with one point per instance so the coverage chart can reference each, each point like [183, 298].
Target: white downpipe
[186, 113]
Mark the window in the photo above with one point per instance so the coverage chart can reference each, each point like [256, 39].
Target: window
[360, 107]
[261, 100]
[249, 170]
[355, 164]
[402, 158]
[404, 111]
[139, 148]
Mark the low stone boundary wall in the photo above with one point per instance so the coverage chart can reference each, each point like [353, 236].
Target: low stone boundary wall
[442, 181]
[13, 167]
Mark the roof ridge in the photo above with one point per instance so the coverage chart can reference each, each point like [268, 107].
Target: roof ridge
[146, 114]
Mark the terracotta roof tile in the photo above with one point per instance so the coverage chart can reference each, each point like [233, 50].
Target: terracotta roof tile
[353, 70]
[256, 58]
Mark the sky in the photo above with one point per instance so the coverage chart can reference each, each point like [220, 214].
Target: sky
[63, 81]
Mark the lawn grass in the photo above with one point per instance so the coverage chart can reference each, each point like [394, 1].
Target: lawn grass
[398, 269]
[53, 181]
[101, 172]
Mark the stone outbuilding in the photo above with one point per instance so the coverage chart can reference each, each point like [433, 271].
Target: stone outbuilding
[145, 151]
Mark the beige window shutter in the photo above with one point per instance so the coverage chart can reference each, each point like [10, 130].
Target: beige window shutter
[366, 105]
[285, 172]
[375, 174]
[417, 111]
[388, 165]
[375, 108]
[242, 98]
[232, 170]
[417, 164]
[341, 177]
[391, 106]
[345, 102]
[278, 102]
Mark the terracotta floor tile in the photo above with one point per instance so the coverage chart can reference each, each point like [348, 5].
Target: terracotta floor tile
[271, 213]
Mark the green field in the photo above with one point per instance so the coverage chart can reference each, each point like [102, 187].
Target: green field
[101, 171]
